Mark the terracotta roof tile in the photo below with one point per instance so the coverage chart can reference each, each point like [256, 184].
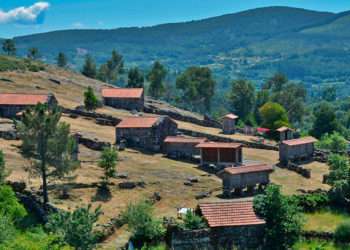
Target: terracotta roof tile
[300, 141]
[182, 139]
[249, 169]
[232, 213]
[231, 116]
[122, 92]
[138, 122]
[283, 129]
[22, 99]
[219, 145]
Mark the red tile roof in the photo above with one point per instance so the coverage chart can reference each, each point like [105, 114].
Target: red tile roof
[219, 145]
[138, 122]
[283, 129]
[122, 92]
[300, 141]
[248, 169]
[22, 99]
[231, 116]
[228, 214]
[182, 139]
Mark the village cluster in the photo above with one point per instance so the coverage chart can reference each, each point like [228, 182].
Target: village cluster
[159, 134]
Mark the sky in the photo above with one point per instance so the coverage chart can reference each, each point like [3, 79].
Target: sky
[21, 17]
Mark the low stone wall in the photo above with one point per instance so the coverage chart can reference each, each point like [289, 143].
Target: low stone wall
[91, 143]
[318, 235]
[297, 169]
[226, 139]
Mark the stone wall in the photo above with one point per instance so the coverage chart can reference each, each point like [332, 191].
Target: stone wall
[297, 169]
[91, 143]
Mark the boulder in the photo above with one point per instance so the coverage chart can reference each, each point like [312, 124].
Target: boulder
[202, 195]
[127, 185]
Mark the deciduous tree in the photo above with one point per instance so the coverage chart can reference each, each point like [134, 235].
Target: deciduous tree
[135, 78]
[273, 116]
[156, 77]
[242, 98]
[325, 120]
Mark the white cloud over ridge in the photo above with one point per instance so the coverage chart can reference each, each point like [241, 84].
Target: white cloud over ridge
[34, 14]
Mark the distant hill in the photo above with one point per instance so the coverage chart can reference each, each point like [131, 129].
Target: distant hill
[307, 45]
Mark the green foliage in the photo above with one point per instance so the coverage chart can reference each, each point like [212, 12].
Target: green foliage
[61, 60]
[312, 202]
[76, 228]
[7, 229]
[273, 116]
[33, 53]
[334, 143]
[90, 99]
[89, 68]
[108, 162]
[156, 77]
[325, 120]
[342, 233]
[141, 222]
[243, 98]
[3, 172]
[193, 221]
[329, 93]
[283, 218]
[108, 72]
[48, 142]
[197, 86]
[9, 205]
[9, 47]
[135, 78]
[11, 64]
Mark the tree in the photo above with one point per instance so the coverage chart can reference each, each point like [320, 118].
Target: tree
[108, 162]
[62, 60]
[334, 142]
[242, 98]
[9, 205]
[33, 53]
[117, 62]
[282, 216]
[193, 221]
[89, 68]
[329, 93]
[342, 232]
[276, 82]
[76, 228]
[108, 72]
[273, 116]
[135, 78]
[9, 47]
[197, 86]
[141, 222]
[325, 120]
[3, 171]
[90, 100]
[7, 229]
[262, 97]
[156, 77]
[48, 143]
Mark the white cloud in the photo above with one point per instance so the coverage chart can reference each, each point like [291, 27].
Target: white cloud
[77, 25]
[34, 14]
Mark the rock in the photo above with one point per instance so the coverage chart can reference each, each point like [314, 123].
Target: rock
[193, 179]
[122, 175]
[18, 186]
[55, 81]
[156, 196]
[127, 185]
[188, 183]
[202, 195]
[6, 80]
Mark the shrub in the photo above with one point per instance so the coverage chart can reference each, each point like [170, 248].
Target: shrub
[9, 205]
[342, 233]
[193, 221]
[334, 142]
[312, 202]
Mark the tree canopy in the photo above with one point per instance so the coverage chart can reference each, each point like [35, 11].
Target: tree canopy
[156, 77]
[89, 68]
[9, 47]
[242, 98]
[135, 78]
[273, 116]
[325, 120]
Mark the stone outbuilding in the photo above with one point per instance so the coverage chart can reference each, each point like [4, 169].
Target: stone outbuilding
[229, 123]
[11, 104]
[297, 149]
[124, 98]
[146, 132]
[285, 133]
[182, 147]
[220, 154]
[235, 179]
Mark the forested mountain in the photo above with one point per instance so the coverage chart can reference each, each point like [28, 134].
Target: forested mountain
[306, 45]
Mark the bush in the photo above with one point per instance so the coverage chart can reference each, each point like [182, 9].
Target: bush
[342, 233]
[335, 143]
[193, 221]
[9, 205]
[312, 202]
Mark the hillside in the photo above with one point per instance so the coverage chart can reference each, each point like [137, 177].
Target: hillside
[254, 43]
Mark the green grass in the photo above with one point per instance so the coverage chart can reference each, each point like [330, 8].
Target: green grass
[318, 245]
[324, 220]
[12, 63]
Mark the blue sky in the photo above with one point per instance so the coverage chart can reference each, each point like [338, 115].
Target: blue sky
[19, 17]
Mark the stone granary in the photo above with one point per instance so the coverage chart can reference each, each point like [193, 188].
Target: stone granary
[232, 224]
[235, 179]
[146, 132]
[11, 104]
[124, 98]
[297, 149]
[285, 133]
[182, 147]
[229, 123]
[220, 154]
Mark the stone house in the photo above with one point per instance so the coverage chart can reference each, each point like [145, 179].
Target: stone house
[182, 147]
[124, 98]
[232, 224]
[229, 123]
[11, 104]
[220, 154]
[247, 176]
[146, 132]
[297, 149]
[285, 133]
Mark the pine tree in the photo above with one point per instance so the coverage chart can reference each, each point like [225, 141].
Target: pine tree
[33, 53]
[89, 68]
[90, 100]
[9, 47]
[48, 143]
[108, 163]
[135, 78]
[61, 60]
[156, 77]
